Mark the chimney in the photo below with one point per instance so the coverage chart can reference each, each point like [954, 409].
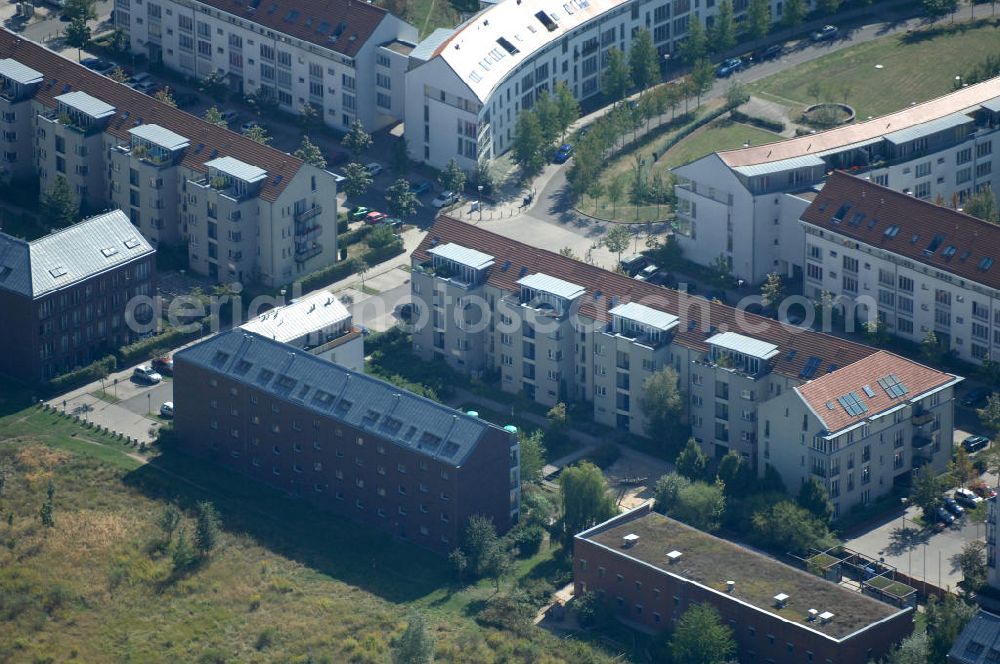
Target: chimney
[674, 556]
[825, 617]
[730, 586]
[629, 540]
[812, 615]
[780, 600]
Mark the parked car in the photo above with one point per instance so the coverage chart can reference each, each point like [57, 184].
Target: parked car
[976, 398]
[663, 278]
[359, 212]
[375, 217]
[826, 33]
[729, 67]
[373, 169]
[136, 79]
[444, 199]
[422, 187]
[186, 99]
[944, 516]
[163, 365]
[98, 65]
[563, 154]
[982, 489]
[953, 507]
[145, 374]
[167, 409]
[975, 443]
[146, 87]
[967, 497]
[646, 272]
[632, 264]
[394, 222]
[769, 53]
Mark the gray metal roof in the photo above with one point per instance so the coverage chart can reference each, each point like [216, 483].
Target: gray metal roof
[88, 104]
[779, 166]
[237, 169]
[477, 260]
[298, 377]
[70, 255]
[928, 128]
[740, 343]
[992, 104]
[644, 315]
[979, 642]
[15, 71]
[160, 136]
[424, 51]
[552, 285]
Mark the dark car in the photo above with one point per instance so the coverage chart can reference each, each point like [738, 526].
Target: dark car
[769, 53]
[977, 397]
[952, 506]
[422, 187]
[163, 365]
[186, 99]
[944, 516]
[729, 67]
[563, 154]
[975, 443]
[663, 278]
[98, 65]
[826, 33]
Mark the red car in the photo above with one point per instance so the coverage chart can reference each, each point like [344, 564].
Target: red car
[982, 489]
[374, 217]
[163, 365]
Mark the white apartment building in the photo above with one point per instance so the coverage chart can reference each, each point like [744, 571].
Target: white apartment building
[556, 329]
[245, 211]
[922, 267]
[466, 86]
[744, 205]
[345, 58]
[318, 323]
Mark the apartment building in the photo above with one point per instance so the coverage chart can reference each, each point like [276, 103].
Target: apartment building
[466, 86]
[73, 296]
[347, 442]
[650, 569]
[318, 323]
[861, 429]
[556, 329]
[918, 266]
[345, 58]
[744, 205]
[246, 212]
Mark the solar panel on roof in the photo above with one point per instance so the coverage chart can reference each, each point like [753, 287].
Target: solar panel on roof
[892, 386]
[852, 404]
[812, 364]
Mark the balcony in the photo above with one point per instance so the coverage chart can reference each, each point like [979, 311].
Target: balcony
[920, 418]
[306, 215]
[305, 232]
[302, 254]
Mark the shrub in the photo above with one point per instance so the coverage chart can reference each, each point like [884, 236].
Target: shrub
[527, 539]
[512, 612]
[764, 123]
[84, 375]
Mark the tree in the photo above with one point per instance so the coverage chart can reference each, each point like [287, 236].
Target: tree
[786, 527]
[78, 34]
[401, 200]
[257, 134]
[961, 468]
[569, 253]
[118, 42]
[214, 116]
[356, 180]
[459, 563]
[452, 178]
[972, 561]
[214, 85]
[310, 153]
[702, 77]
[47, 511]
[736, 94]
[80, 9]
[946, 618]
[309, 117]
[478, 541]
[990, 414]
[759, 18]
[532, 456]
[722, 34]
[361, 267]
[416, 645]
[567, 109]
[701, 638]
[926, 491]
[700, 505]
[556, 418]
[692, 462]
[498, 564]
[617, 239]
[983, 205]
[615, 188]
[938, 8]
[643, 61]
[548, 118]
[930, 348]
[661, 403]
[169, 519]
[914, 649]
[813, 496]
[118, 75]
[615, 80]
[876, 332]
[795, 11]
[735, 474]
[529, 142]
[695, 47]
[585, 498]
[772, 291]
[381, 236]
[399, 159]
[183, 554]
[828, 6]
[165, 96]
[58, 204]
[357, 140]
[667, 490]
[206, 533]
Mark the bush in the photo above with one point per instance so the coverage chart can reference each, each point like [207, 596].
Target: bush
[327, 275]
[512, 612]
[84, 375]
[604, 455]
[169, 338]
[355, 236]
[527, 539]
[764, 123]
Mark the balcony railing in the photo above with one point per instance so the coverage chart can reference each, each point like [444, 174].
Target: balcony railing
[307, 232]
[306, 215]
[922, 418]
[305, 253]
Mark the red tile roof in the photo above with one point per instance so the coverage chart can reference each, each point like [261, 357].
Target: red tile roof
[302, 19]
[962, 242]
[700, 319]
[823, 393]
[215, 141]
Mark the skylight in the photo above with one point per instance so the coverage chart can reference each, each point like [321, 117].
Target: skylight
[892, 386]
[841, 213]
[853, 404]
[869, 392]
[812, 364]
[985, 264]
[58, 271]
[108, 252]
[892, 231]
[949, 251]
[546, 20]
[507, 46]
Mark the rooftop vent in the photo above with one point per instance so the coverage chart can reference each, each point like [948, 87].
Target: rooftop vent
[630, 540]
[780, 600]
[825, 617]
[730, 586]
[674, 556]
[812, 615]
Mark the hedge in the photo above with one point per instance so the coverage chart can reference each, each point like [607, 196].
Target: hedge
[355, 236]
[169, 338]
[764, 123]
[84, 375]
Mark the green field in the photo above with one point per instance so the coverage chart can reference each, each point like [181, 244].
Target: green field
[289, 583]
[720, 135]
[915, 68]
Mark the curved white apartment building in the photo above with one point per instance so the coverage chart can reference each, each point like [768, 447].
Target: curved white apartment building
[466, 86]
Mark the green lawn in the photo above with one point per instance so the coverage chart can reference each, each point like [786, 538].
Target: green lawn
[426, 15]
[720, 135]
[915, 68]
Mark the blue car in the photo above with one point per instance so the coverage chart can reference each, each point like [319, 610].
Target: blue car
[729, 67]
[563, 154]
[421, 188]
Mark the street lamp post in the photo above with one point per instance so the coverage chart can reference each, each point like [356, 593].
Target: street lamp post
[480, 188]
[666, 65]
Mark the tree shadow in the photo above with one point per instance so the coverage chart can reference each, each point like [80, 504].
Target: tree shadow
[906, 539]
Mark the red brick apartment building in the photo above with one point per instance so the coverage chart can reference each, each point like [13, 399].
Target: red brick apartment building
[650, 569]
[65, 295]
[347, 442]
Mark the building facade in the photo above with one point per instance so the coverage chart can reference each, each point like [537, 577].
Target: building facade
[245, 212]
[650, 569]
[74, 296]
[466, 86]
[342, 57]
[556, 329]
[920, 268]
[744, 205]
[352, 444]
